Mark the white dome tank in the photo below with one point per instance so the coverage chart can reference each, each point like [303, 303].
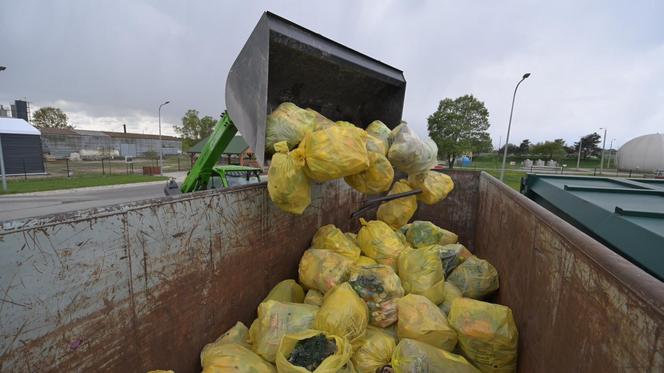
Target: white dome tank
[643, 153]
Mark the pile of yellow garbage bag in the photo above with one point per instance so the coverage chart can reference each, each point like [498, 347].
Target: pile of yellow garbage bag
[371, 301]
[309, 148]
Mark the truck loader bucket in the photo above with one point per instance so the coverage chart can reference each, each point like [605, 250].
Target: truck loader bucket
[282, 61]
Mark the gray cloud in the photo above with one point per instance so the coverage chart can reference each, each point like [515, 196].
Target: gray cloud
[106, 63]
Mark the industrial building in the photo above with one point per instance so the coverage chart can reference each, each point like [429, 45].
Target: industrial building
[644, 153]
[61, 143]
[21, 147]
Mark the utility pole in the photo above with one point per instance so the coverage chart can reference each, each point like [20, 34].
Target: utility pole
[509, 126]
[601, 162]
[2, 159]
[608, 162]
[578, 159]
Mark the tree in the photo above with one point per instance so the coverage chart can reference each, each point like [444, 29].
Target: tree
[193, 128]
[524, 147]
[50, 117]
[590, 145]
[459, 126]
[552, 149]
[511, 149]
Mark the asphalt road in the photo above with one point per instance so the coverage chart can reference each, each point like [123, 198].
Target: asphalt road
[19, 206]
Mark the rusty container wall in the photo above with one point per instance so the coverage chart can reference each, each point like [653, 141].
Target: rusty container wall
[146, 286]
[579, 307]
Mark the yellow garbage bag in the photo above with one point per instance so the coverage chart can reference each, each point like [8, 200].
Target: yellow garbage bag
[379, 286]
[343, 123]
[374, 351]
[286, 291]
[397, 212]
[289, 123]
[452, 255]
[320, 121]
[238, 334]
[323, 269]
[353, 237]
[313, 297]
[424, 233]
[421, 320]
[410, 154]
[394, 132]
[487, 334]
[402, 238]
[329, 237]
[475, 277]
[365, 261]
[343, 313]
[335, 152]
[276, 319]
[288, 185]
[375, 179]
[421, 272]
[379, 242]
[374, 145]
[161, 371]
[414, 356]
[450, 293]
[435, 186]
[339, 361]
[233, 357]
[380, 131]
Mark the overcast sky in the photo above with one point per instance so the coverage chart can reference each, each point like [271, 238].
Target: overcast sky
[593, 63]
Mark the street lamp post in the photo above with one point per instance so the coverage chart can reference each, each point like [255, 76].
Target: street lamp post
[578, 159]
[509, 126]
[2, 160]
[161, 158]
[601, 162]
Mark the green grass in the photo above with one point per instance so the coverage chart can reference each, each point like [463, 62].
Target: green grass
[512, 178]
[56, 183]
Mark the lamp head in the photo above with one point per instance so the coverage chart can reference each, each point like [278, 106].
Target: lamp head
[526, 75]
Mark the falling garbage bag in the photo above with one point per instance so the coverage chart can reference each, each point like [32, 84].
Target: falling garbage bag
[314, 351]
[232, 357]
[286, 291]
[410, 154]
[380, 287]
[379, 242]
[365, 261]
[313, 297]
[435, 186]
[487, 334]
[413, 356]
[288, 185]
[475, 277]
[276, 319]
[323, 269]
[289, 123]
[375, 179]
[335, 152]
[423, 233]
[421, 272]
[450, 293]
[397, 212]
[373, 351]
[380, 131]
[421, 320]
[343, 313]
[320, 121]
[329, 237]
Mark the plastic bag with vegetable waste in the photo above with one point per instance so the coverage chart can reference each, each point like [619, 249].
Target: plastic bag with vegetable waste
[288, 185]
[365, 261]
[421, 272]
[320, 121]
[307, 350]
[289, 123]
[329, 237]
[423, 233]
[410, 154]
[452, 255]
[397, 212]
[335, 152]
[475, 277]
[379, 242]
[373, 351]
[276, 319]
[380, 131]
[450, 293]
[353, 237]
[375, 146]
[313, 297]
[375, 179]
[435, 186]
[286, 291]
[233, 357]
[323, 269]
[487, 334]
[343, 313]
[414, 356]
[379, 286]
[421, 320]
